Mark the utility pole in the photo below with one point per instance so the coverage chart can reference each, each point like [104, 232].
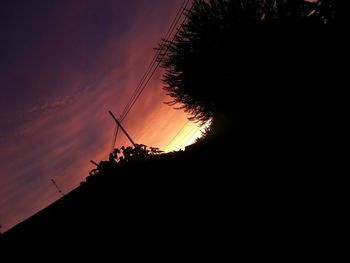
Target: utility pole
[121, 127]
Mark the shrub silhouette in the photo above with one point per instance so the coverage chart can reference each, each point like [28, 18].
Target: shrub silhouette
[123, 156]
[235, 56]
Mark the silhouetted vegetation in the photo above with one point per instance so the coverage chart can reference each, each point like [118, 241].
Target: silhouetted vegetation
[231, 56]
[121, 157]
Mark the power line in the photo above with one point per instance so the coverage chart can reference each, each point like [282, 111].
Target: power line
[177, 134]
[154, 60]
[184, 136]
[158, 63]
[115, 136]
[194, 133]
[153, 65]
[167, 35]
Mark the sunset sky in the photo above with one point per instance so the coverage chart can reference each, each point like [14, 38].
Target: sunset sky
[63, 65]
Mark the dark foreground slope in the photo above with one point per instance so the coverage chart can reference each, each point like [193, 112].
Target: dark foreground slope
[176, 207]
[168, 208]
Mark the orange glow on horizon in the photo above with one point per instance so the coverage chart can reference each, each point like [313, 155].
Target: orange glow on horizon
[61, 115]
[186, 136]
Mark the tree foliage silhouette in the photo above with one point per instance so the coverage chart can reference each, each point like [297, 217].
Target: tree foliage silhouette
[227, 50]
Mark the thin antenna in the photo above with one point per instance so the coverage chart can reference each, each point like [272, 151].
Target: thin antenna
[121, 127]
[58, 189]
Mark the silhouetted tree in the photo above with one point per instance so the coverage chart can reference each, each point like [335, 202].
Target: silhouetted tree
[229, 52]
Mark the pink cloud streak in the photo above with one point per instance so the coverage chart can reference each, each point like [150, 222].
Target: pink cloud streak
[65, 125]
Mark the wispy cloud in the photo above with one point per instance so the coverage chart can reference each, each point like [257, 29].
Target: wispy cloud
[59, 121]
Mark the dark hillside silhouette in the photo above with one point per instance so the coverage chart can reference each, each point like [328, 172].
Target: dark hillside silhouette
[141, 208]
[267, 74]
